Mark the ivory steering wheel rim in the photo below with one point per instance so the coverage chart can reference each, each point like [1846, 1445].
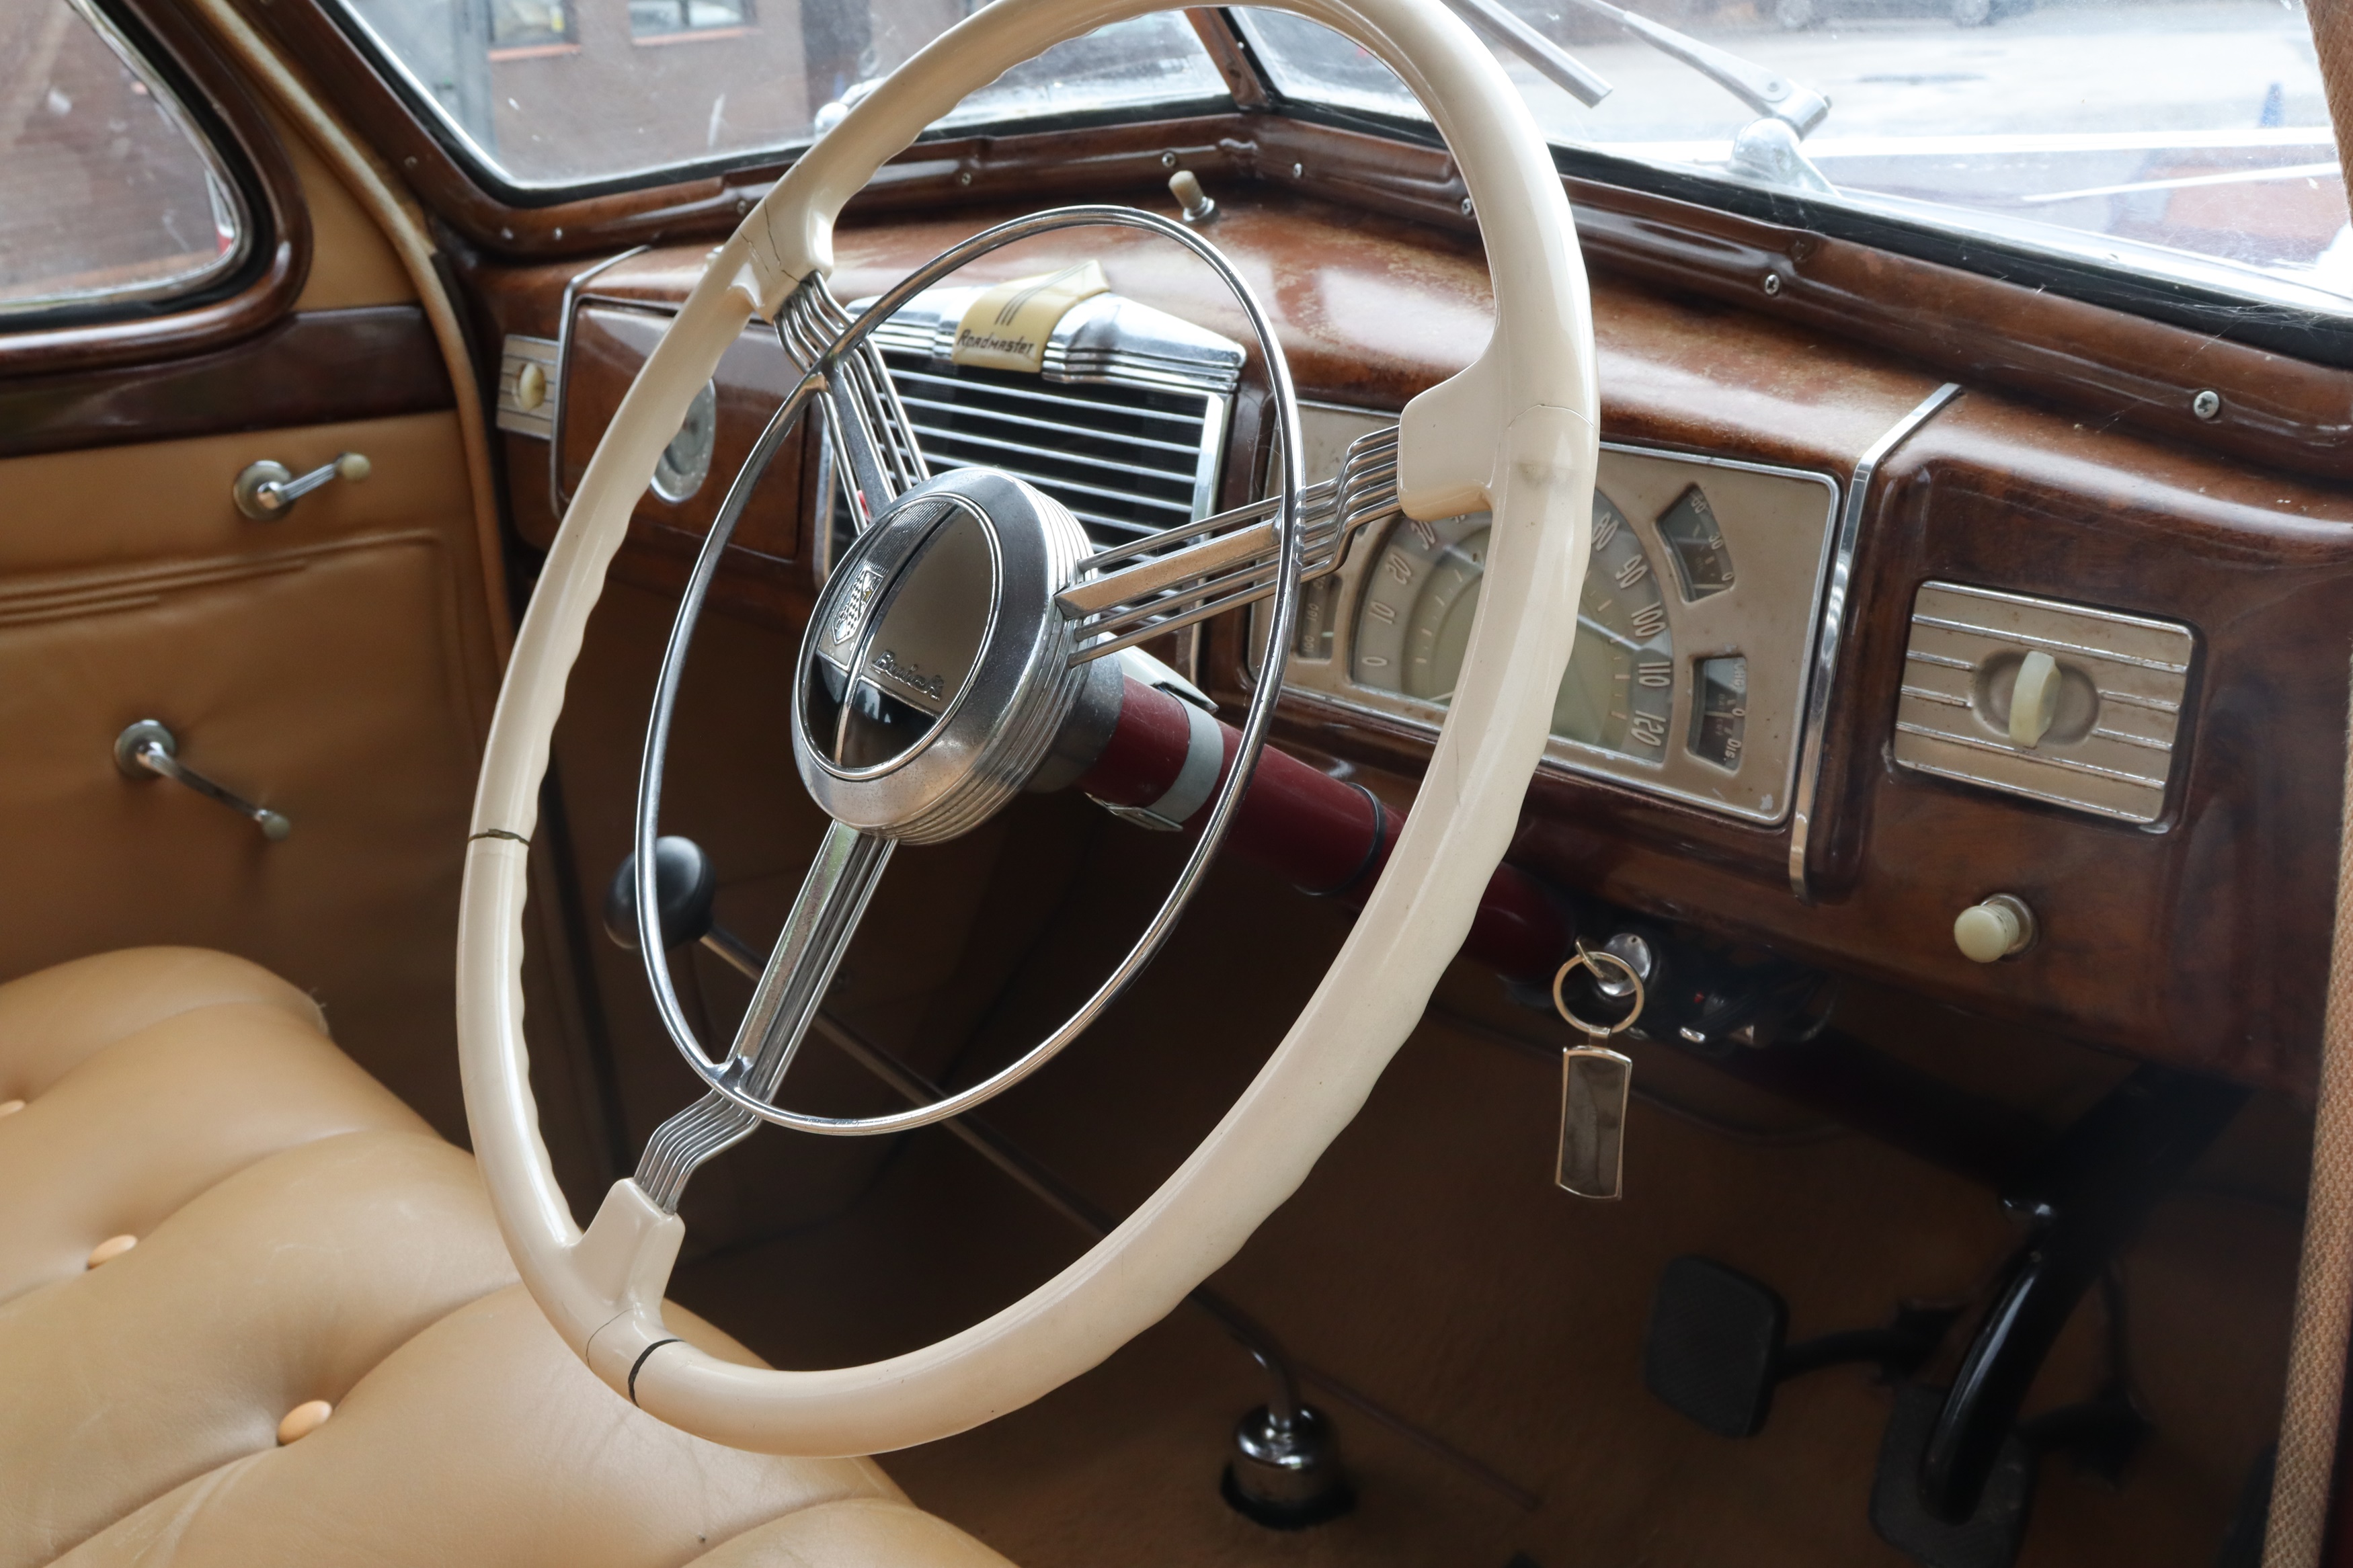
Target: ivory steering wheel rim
[1514, 433]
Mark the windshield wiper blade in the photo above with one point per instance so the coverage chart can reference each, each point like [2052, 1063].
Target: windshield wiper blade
[1766, 92]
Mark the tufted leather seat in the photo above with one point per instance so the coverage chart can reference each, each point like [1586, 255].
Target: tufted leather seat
[301, 1235]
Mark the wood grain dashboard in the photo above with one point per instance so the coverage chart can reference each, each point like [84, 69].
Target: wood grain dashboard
[2200, 938]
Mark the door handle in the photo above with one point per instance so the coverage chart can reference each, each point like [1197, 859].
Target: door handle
[268, 489]
[147, 749]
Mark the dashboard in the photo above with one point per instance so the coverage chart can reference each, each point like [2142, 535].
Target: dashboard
[1789, 721]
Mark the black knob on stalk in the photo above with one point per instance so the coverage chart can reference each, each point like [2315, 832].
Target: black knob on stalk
[685, 883]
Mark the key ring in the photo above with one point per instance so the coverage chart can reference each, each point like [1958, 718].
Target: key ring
[1589, 959]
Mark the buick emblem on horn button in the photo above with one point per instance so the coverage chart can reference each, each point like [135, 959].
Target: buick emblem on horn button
[856, 600]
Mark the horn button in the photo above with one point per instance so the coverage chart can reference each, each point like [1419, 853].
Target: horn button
[901, 646]
[934, 680]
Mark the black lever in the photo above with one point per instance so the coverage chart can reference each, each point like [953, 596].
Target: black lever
[686, 886]
[2102, 1433]
[2082, 1200]
[1716, 1349]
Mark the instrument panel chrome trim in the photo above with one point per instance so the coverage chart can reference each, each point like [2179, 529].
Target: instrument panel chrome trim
[2131, 675]
[1700, 627]
[1107, 340]
[572, 289]
[517, 353]
[1833, 628]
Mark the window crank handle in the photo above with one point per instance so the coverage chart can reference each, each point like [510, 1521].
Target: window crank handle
[148, 748]
[268, 489]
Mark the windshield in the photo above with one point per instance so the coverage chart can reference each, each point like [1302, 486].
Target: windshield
[2183, 140]
[2190, 138]
[557, 94]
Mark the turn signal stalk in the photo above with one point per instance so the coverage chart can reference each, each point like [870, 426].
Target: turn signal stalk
[1328, 837]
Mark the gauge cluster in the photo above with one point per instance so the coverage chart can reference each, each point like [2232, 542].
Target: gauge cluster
[1694, 633]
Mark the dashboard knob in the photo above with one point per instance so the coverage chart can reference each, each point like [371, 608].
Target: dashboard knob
[2033, 699]
[1998, 928]
[1185, 186]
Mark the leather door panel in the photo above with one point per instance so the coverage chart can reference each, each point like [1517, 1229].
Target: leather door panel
[337, 663]
[332, 664]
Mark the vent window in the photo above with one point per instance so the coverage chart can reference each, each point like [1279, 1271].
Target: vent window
[108, 194]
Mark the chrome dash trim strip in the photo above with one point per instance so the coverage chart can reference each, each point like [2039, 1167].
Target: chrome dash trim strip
[580, 280]
[1819, 685]
[2049, 797]
[2118, 766]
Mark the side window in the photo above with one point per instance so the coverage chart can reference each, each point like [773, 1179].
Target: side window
[655, 19]
[108, 191]
[529, 26]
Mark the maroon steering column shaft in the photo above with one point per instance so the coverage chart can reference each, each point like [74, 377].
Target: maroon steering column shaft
[1329, 837]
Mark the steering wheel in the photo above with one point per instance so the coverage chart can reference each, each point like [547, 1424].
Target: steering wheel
[972, 564]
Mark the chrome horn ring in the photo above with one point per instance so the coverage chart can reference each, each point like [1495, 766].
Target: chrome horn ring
[956, 779]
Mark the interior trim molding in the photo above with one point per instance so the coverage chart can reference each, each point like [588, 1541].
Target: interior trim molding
[316, 367]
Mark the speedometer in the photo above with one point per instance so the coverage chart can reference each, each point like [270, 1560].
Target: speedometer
[1696, 631]
[1413, 622]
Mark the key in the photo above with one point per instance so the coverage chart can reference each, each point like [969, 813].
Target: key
[1595, 1085]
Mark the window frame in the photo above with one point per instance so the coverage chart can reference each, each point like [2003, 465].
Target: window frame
[563, 42]
[2174, 298]
[209, 103]
[747, 18]
[2112, 335]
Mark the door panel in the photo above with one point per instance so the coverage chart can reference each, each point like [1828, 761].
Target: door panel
[335, 664]
[330, 665]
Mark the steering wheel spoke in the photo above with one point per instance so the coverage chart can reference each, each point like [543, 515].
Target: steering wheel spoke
[1169, 580]
[939, 677]
[824, 917]
[873, 440]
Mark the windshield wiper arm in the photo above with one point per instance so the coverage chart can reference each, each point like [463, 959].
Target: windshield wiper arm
[1765, 151]
[1551, 61]
[1766, 92]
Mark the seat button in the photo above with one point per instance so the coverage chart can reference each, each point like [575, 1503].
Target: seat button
[112, 1248]
[10, 1107]
[302, 1420]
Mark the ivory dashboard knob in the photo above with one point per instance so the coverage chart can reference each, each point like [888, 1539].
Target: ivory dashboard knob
[2033, 699]
[1994, 929]
[1191, 199]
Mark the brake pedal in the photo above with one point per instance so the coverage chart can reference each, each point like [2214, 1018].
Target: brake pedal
[1717, 1345]
[1713, 1350]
